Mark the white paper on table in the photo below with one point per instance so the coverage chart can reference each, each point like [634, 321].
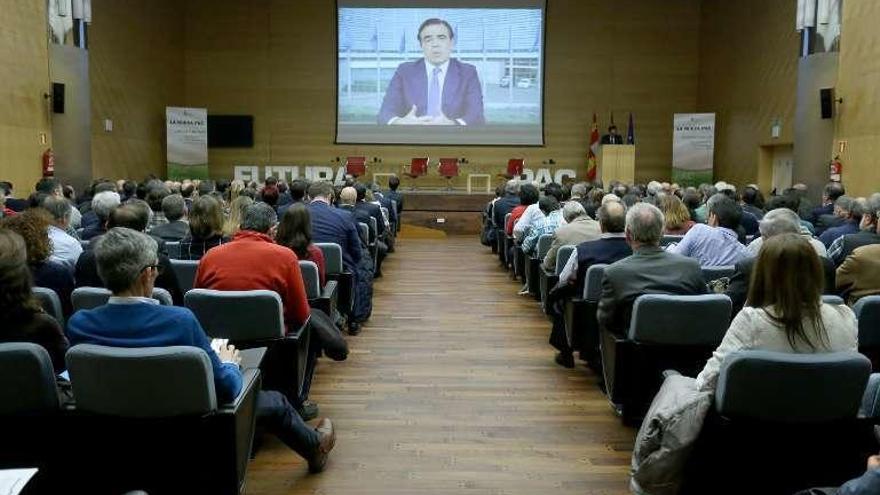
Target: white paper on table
[13, 481]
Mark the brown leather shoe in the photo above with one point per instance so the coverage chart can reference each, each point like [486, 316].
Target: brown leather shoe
[325, 445]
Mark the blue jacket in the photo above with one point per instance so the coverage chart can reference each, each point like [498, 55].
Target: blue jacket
[462, 94]
[329, 224]
[151, 325]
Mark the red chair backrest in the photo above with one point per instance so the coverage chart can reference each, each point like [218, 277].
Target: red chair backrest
[515, 166]
[355, 165]
[419, 166]
[449, 167]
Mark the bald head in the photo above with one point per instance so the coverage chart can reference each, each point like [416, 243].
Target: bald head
[612, 217]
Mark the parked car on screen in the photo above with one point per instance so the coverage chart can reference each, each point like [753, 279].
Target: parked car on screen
[504, 82]
[524, 83]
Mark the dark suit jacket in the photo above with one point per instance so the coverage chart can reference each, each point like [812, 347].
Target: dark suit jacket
[374, 211]
[87, 275]
[171, 231]
[462, 94]
[738, 290]
[502, 207]
[618, 139]
[396, 196]
[650, 270]
[600, 251]
[360, 216]
[330, 224]
[826, 222]
[819, 211]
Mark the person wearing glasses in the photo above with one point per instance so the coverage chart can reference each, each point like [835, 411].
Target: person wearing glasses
[128, 265]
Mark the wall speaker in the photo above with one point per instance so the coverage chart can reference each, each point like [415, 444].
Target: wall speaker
[57, 97]
[826, 102]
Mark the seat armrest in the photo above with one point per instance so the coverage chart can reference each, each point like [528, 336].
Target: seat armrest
[870, 407]
[299, 332]
[250, 378]
[329, 290]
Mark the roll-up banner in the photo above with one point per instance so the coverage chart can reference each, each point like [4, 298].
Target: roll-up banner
[693, 148]
[187, 138]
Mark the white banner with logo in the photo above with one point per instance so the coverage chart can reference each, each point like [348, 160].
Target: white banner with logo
[187, 138]
[693, 148]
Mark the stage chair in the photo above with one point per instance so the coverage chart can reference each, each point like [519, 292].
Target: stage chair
[185, 272]
[50, 303]
[356, 166]
[666, 332]
[448, 169]
[148, 418]
[789, 420]
[92, 297]
[548, 283]
[255, 318]
[417, 168]
[514, 168]
[867, 310]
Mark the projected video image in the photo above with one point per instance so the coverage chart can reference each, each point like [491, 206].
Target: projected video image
[431, 75]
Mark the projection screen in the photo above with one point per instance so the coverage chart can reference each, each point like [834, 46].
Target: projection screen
[440, 72]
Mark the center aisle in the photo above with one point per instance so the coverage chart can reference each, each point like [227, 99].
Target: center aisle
[451, 388]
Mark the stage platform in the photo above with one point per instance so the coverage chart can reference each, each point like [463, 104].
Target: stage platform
[453, 212]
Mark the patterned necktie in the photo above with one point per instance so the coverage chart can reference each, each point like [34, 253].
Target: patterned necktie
[434, 94]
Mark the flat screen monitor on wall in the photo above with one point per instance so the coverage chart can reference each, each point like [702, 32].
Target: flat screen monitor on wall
[440, 72]
[230, 131]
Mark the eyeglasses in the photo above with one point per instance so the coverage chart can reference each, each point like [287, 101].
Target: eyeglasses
[155, 266]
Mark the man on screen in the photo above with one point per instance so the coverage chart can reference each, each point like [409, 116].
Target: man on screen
[436, 90]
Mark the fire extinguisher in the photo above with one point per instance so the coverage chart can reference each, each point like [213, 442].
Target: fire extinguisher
[48, 163]
[835, 169]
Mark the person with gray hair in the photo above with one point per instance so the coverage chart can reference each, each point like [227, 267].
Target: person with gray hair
[848, 213]
[259, 217]
[505, 204]
[780, 221]
[128, 265]
[103, 204]
[174, 209]
[579, 228]
[65, 248]
[775, 222]
[649, 270]
[844, 245]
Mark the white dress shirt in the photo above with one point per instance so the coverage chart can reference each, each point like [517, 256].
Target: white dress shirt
[529, 218]
[65, 249]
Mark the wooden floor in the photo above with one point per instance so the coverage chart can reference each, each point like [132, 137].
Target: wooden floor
[451, 388]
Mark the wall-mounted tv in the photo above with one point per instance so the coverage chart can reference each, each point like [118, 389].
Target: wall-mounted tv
[230, 131]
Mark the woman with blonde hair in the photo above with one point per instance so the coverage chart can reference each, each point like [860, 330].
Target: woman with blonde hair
[678, 219]
[784, 311]
[236, 212]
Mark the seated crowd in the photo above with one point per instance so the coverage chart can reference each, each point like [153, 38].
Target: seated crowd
[127, 236]
[777, 261]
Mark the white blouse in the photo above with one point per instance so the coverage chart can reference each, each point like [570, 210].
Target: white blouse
[752, 328]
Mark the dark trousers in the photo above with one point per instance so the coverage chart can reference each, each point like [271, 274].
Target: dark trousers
[277, 416]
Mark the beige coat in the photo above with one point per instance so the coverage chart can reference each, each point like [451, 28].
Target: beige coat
[580, 230]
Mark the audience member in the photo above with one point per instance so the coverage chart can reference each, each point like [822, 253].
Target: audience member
[678, 218]
[128, 266]
[155, 195]
[33, 226]
[205, 228]
[23, 318]
[550, 221]
[65, 248]
[844, 245]
[295, 232]
[103, 204]
[752, 202]
[859, 274]
[12, 204]
[236, 213]
[253, 261]
[528, 196]
[506, 203]
[578, 228]
[650, 270]
[174, 211]
[832, 191]
[784, 311]
[849, 216]
[715, 243]
[775, 222]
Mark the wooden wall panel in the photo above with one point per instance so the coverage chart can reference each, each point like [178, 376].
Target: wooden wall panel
[275, 59]
[858, 84]
[24, 113]
[748, 76]
[136, 70]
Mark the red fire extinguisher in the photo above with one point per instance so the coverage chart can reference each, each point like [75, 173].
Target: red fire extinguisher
[48, 163]
[835, 169]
